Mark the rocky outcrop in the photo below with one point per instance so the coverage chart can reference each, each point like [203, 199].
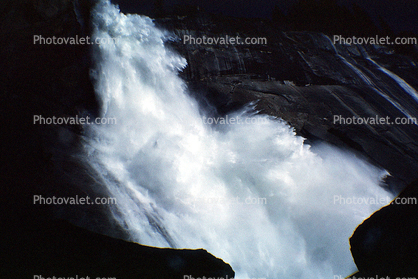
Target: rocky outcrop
[62, 250]
[386, 244]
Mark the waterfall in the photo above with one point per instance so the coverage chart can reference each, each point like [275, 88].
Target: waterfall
[251, 193]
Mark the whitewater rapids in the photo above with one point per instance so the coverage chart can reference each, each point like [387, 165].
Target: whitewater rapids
[252, 194]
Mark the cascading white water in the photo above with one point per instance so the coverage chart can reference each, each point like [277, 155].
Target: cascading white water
[252, 194]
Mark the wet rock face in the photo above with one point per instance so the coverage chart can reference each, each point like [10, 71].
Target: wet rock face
[305, 79]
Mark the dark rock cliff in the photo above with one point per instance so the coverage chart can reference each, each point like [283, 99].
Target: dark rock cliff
[62, 250]
[53, 80]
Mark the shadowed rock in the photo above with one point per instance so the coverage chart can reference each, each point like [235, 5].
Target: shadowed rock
[386, 243]
[63, 250]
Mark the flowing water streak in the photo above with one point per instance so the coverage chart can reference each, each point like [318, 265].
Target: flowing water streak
[403, 84]
[376, 88]
[252, 194]
[373, 85]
